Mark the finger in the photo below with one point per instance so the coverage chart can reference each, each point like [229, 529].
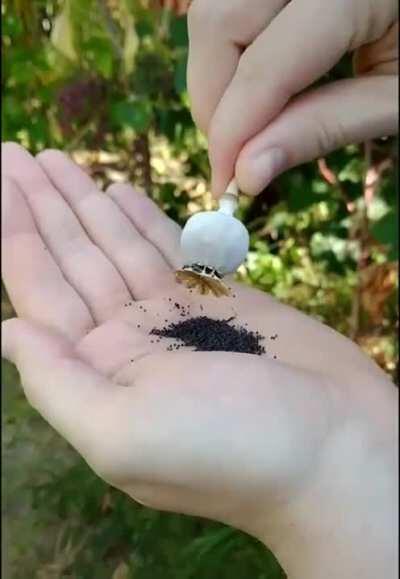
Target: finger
[71, 396]
[153, 224]
[271, 71]
[83, 264]
[140, 263]
[35, 284]
[318, 122]
[227, 27]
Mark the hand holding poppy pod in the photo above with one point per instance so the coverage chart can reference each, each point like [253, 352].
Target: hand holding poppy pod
[213, 244]
[259, 106]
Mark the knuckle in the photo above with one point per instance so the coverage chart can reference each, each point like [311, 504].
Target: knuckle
[268, 92]
[330, 137]
[249, 69]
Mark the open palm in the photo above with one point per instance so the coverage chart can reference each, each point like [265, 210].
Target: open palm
[222, 435]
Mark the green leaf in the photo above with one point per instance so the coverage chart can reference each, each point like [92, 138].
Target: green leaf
[386, 231]
[131, 44]
[100, 54]
[62, 34]
[12, 26]
[180, 73]
[298, 201]
[137, 115]
[353, 171]
[179, 32]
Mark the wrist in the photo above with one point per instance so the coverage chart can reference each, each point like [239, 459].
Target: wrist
[344, 525]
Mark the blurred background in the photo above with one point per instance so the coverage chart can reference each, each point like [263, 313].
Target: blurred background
[105, 81]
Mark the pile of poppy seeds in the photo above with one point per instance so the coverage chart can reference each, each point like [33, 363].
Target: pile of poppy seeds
[204, 334]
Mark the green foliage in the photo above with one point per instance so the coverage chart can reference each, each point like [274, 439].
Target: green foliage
[136, 115]
[110, 76]
[156, 545]
[386, 231]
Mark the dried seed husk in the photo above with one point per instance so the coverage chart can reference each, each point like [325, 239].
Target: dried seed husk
[202, 283]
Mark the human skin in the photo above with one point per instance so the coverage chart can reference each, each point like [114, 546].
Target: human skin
[300, 450]
[255, 103]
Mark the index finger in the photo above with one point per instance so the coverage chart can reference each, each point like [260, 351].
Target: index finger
[218, 33]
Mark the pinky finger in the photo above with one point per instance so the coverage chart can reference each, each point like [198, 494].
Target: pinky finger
[316, 123]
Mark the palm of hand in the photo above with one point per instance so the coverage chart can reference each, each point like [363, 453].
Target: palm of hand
[208, 433]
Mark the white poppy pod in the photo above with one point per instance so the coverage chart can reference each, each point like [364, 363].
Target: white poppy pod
[216, 238]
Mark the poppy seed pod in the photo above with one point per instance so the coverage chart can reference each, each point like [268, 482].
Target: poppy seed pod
[216, 239]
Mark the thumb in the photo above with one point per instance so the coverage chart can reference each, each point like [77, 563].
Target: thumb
[316, 123]
[70, 395]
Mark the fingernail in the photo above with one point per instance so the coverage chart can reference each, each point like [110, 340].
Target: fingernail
[217, 186]
[265, 166]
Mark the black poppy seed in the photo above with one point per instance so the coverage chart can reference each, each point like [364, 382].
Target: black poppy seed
[275, 357]
[177, 305]
[205, 334]
[138, 325]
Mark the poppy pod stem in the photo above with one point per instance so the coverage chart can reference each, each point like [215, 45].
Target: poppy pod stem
[229, 200]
